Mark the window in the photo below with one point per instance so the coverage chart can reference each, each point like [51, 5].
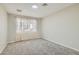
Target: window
[25, 25]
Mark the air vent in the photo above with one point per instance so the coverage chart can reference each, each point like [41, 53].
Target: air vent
[44, 4]
[18, 10]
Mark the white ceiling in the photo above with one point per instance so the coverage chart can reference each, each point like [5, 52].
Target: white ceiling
[41, 11]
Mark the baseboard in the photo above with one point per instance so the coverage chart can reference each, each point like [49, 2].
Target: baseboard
[63, 45]
[23, 40]
[3, 49]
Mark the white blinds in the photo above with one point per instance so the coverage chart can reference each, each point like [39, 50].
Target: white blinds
[26, 25]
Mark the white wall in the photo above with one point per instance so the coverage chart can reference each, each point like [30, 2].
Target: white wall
[13, 36]
[63, 27]
[11, 28]
[3, 28]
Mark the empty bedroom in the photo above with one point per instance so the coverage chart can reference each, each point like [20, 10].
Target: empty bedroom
[39, 29]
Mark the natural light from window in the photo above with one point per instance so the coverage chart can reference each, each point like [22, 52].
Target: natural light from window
[26, 25]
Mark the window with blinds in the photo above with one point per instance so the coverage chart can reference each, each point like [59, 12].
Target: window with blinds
[26, 25]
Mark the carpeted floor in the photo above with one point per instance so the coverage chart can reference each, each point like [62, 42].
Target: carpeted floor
[37, 47]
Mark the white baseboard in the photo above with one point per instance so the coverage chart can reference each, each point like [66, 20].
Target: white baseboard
[2, 48]
[63, 45]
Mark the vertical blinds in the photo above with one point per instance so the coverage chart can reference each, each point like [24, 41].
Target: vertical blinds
[26, 25]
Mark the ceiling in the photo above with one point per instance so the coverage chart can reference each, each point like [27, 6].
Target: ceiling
[41, 11]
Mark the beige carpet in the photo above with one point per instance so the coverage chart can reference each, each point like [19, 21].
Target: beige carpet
[37, 47]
